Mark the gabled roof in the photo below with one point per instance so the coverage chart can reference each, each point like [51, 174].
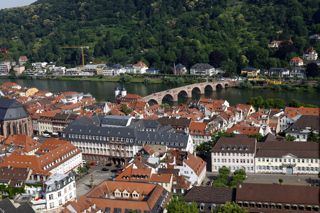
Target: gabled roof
[304, 122]
[236, 144]
[278, 193]
[195, 163]
[278, 149]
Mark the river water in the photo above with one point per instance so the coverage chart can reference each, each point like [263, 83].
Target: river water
[104, 91]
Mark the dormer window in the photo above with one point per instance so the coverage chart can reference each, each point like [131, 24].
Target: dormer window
[125, 194]
[117, 193]
[135, 195]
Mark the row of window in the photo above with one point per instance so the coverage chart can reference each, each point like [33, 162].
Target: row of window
[99, 138]
[232, 154]
[59, 159]
[233, 168]
[280, 160]
[177, 144]
[223, 160]
[280, 168]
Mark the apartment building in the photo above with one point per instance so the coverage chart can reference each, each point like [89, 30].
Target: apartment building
[236, 152]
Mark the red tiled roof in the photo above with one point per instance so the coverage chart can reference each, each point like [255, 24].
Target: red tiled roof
[50, 152]
[244, 130]
[292, 112]
[296, 60]
[195, 163]
[24, 142]
[161, 178]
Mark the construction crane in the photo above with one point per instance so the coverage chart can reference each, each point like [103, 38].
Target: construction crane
[4, 52]
[78, 47]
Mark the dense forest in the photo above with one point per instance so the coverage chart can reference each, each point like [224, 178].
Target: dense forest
[225, 33]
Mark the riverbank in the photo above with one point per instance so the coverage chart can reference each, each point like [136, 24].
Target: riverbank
[127, 78]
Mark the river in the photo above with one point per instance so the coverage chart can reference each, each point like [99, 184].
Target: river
[104, 91]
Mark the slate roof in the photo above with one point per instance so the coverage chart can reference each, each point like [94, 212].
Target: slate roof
[204, 194]
[86, 126]
[304, 122]
[202, 66]
[114, 120]
[11, 109]
[280, 148]
[145, 124]
[7, 207]
[236, 144]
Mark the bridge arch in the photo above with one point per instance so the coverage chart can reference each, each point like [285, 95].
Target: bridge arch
[208, 87]
[182, 96]
[152, 102]
[196, 92]
[168, 98]
[219, 86]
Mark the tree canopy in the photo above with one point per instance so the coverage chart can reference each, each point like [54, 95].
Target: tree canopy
[227, 34]
[178, 205]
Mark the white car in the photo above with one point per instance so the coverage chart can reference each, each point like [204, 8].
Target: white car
[46, 135]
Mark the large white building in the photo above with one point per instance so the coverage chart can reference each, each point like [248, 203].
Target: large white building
[99, 140]
[202, 69]
[60, 189]
[288, 158]
[235, 153]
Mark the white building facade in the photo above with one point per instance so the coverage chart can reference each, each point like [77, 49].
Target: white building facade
[235, 153]
[59, 189]
[289, 158]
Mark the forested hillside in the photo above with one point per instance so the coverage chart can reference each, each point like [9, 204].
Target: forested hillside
[226, 33]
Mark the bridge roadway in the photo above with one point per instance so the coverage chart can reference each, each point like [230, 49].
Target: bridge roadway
[188, 89]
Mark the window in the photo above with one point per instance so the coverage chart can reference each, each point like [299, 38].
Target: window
[59, 194]
[202, 207]
[51, 197]
[51, 205]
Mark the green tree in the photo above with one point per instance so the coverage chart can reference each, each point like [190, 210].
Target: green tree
[314, 137]
[238, 177]
[290, 138]
[280, 180]
[312, 70]
[178, 205]
[125, 109]
[230, 207]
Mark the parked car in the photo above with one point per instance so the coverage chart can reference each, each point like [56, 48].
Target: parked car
[46, 135]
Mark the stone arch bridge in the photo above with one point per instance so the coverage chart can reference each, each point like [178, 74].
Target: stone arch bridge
[188, 90]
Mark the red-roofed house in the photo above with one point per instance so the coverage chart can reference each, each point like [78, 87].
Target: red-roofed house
[193, 168]
[53, 156]
[140, 67]
[296, 62]
[199, 132]
[244, 129]
[21, 143]
[23, 59]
